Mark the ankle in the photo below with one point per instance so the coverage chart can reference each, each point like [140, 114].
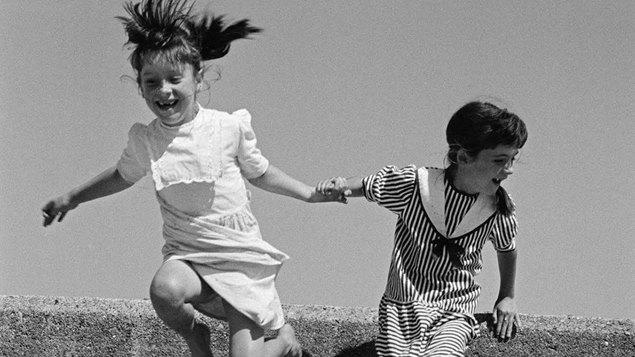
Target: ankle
[198, 340]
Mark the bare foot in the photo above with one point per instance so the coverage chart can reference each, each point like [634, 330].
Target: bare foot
[287, 335]
[199, 341]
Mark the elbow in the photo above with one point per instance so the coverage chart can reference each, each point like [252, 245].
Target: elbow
[258, 180]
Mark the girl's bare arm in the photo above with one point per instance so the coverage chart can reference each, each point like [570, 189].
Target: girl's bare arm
[104, 184]
[505, 311]
[277, 181]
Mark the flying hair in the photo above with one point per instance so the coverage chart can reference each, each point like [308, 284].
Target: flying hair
[212, 38]
[167, 28]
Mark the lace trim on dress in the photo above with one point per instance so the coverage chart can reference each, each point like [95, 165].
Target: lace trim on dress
[204, 164]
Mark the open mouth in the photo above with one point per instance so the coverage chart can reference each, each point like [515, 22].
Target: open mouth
[497, 181]
[166, 104]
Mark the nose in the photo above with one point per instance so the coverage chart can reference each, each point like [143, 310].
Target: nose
[165, 87]
[509, 167]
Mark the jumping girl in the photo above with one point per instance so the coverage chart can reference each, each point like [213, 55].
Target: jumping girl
[215, 260]
[444, 217]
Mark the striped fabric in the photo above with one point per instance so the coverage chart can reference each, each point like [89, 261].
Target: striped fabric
[425, 293]
[456, 206]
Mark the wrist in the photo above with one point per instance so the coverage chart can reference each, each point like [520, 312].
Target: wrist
[503, 297]
[71, 198]
[311, 196]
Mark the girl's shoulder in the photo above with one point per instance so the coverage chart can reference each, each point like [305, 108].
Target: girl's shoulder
[238, 122]
[139, 130]
[240, 116]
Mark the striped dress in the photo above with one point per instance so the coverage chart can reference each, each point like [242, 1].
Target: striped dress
[431, 293]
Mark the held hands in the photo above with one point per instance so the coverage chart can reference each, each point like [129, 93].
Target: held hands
[334, 189]
[506, 319]
[58, 206]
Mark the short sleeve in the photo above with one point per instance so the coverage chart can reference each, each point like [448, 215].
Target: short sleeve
[250, 160]
[391, 187]
[503, 234]
[134, 161]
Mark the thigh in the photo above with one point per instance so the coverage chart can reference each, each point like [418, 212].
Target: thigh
[177, 279]
[246, 338]
[449, 339]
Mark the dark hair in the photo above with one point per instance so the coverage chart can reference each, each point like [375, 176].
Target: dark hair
[481, 125]
[165, 29]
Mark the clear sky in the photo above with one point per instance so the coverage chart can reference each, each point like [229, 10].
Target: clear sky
[334, 88]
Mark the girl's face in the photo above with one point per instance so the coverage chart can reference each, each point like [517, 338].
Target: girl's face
[484, 172]
[170, 91]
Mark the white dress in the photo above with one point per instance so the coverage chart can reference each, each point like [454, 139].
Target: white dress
[198, 171]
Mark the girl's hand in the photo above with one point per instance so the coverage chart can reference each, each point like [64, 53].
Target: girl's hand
[335, 188]
[506, 318]
[58, 206]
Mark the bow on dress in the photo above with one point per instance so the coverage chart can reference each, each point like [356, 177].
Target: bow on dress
[455, 251]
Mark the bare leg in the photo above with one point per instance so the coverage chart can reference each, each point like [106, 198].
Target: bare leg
[285, 344]
[173, 290]
[246, 338]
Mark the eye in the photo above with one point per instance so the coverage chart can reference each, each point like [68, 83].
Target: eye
[149, 82]
[176, 79]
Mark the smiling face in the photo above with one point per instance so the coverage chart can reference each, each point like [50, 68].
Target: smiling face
[484, 172]
[170, 91]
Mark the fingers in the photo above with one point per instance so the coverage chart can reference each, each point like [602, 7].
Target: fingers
[48, 218]
[54, 209]
[339, 183]
[505, 328]
[512, 326]
[506, 319]
[335, 188]
[50, 215]
[48, 212]
[324, 187]
[498, 322]
[506, 325]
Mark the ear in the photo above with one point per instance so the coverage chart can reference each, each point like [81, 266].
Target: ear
[462, 157]
[139, 88]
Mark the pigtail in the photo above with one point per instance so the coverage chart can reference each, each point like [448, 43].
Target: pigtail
[212, 38]
[156, 24]
[504, 203]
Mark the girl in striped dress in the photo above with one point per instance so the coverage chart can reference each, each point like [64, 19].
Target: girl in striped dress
[444, 218]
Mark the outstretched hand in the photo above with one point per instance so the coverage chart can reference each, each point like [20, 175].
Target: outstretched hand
[506, 319]
[56, 208]
[334, 189]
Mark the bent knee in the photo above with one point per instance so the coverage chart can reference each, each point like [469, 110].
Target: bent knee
[167, 289]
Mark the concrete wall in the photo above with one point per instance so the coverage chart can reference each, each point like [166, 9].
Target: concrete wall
[62, 326]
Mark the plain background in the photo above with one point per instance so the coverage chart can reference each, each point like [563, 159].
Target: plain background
[334, 88]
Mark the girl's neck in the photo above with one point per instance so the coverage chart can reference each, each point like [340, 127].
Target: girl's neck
[460, 179]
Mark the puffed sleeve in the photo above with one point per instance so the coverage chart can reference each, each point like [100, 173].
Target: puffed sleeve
[134, 162]
[250, 160]
[391, 187]
[503, 234]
